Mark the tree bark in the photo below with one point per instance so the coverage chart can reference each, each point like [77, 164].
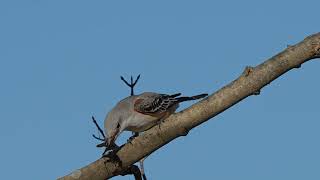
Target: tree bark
[179, 124]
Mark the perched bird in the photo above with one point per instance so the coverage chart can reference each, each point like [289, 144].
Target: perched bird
[138, 113]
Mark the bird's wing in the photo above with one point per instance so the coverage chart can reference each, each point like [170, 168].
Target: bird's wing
[155, 103]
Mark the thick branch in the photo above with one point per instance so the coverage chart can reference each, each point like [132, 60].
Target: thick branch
[249, 83]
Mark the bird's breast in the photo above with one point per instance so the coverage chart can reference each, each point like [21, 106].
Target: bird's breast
[140, 122]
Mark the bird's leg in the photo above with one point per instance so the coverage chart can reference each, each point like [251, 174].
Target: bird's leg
[112, 156]
[134, 135]
[109, 148]
[132, 169]
[104, 152]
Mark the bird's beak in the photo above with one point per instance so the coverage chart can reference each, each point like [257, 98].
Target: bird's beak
[110, 141]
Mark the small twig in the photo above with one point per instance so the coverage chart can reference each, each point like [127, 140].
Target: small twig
[100, 139]
[100, 130]
[131, 84]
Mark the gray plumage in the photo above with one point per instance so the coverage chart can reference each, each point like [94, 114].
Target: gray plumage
[138, 113]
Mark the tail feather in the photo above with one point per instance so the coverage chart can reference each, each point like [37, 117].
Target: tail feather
[175, 95]
[182, 99]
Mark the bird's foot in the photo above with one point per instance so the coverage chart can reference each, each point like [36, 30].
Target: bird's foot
[110, 149]
[112, 156]
[132, 137]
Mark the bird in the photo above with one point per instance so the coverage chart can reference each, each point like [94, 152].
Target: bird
[138, 113]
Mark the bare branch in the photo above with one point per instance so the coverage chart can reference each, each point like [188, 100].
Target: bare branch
[99, 128]
[100, 139]
[131, 84]
[177, 124]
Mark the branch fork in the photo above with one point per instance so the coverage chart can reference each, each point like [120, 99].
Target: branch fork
[204, 110]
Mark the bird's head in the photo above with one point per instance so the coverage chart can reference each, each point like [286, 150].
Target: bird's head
[112, 133]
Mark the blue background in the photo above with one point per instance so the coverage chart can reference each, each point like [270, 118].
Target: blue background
[60, 63]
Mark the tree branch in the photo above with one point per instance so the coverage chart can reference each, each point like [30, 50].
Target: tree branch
[99, 129]
[131, 84]
[249, 83]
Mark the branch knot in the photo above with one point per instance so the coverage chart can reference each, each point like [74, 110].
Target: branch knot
[247, 71]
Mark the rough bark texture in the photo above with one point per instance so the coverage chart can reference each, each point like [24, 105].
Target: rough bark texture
[249, 83]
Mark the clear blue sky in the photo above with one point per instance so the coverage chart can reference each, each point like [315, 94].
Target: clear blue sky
[60, 63]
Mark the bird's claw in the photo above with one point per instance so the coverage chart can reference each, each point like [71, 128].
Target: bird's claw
[132, 137]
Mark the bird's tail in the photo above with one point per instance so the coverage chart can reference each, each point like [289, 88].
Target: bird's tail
[175, 95]
[182, 99]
